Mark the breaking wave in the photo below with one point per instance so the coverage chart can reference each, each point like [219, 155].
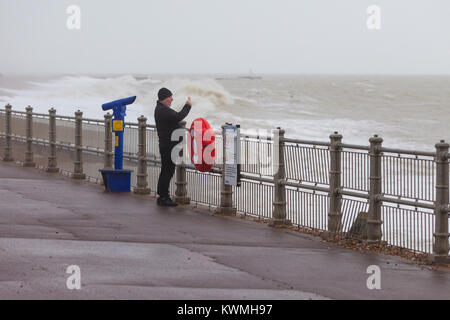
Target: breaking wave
[69, 93]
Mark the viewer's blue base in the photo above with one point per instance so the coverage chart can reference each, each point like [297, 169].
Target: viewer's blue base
[117, 180]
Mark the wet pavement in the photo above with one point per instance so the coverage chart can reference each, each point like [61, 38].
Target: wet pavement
[129, 248]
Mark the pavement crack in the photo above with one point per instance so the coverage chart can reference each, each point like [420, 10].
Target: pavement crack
[279, 284]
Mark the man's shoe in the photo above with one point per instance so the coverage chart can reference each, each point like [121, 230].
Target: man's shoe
[166, 202]
[170, 203]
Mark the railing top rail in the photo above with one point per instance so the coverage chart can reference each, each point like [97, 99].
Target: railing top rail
[255, 136]
[135, 124]
[64, 117]
[93, 120]
[58, 116]
[411, 152]
[391, 150]
[355, 146]
[40, 114]
[316, 143]
[214, 169]
[73, 118]
[18, 112]
[365, 148]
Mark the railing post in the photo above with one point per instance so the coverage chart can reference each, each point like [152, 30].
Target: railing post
[180, 176]
[29, 161]
[335, 214]
[108, 155]
[226, 191]
[441, 205]
[78, 164]
[142, 184]
[52, 165]
[7, 156]
[279, 199]
[374, 218]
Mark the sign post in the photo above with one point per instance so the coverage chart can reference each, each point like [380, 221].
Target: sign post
[232, 156]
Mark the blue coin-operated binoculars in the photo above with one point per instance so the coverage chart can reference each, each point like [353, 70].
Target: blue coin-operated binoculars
[118, 180]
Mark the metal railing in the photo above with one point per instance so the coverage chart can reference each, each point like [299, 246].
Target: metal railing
[322, 185]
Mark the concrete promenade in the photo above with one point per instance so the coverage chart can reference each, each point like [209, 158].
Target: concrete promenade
[129, 248]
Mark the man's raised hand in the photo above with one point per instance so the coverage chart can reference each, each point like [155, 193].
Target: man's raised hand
[189, 102]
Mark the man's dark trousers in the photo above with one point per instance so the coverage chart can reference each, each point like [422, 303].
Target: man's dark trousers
[167, 168]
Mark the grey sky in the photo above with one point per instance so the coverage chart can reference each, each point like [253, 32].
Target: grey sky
[225, 36]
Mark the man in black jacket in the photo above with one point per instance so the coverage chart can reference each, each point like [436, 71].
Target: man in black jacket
[167, 121]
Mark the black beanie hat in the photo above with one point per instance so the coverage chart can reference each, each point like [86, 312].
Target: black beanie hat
[164, 93]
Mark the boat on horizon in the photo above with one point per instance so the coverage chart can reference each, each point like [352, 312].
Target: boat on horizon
[250, 76]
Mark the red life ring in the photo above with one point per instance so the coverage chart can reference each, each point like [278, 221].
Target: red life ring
[203, 150]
